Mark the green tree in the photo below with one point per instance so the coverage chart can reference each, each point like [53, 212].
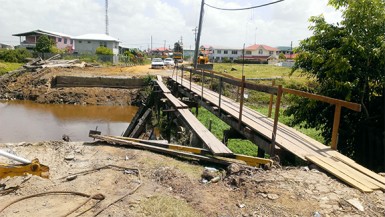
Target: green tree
[44, 44]
[282, 56]
[104, 51]
[178, 47]
[347, 61]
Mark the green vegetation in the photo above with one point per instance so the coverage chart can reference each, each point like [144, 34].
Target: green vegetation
[347, 61]
[104, 51]
[44, 44]
[7, 67]
[164, 206]
[14, 56]
[263, 71]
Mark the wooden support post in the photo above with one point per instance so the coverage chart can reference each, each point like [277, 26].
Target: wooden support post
[181, 79]
[220, 95]
[336, 125]
[236, 100]
[210, 123]
[190, 78]
[211, 81]
[276, 115]
[271, 101]
[241, 101]
[202, 84]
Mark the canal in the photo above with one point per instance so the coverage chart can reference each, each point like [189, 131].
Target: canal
[25, 121]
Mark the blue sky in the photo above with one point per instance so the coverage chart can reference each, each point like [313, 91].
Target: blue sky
[134, 22]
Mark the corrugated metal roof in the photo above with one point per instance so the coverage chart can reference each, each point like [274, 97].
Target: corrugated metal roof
[43, 32]
[95, 37]
[257, 46]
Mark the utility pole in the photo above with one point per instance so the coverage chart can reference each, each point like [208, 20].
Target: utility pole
[199, 35]
[195, 30]
[151, 47]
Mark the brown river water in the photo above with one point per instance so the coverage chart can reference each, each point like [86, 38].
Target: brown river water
[25, 121]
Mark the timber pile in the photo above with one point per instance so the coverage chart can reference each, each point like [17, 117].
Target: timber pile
[53, 62]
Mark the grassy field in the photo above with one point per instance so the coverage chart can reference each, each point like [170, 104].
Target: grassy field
[6, 67]
[262, 71]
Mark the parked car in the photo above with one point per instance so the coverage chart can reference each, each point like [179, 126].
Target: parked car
[157, 63]
[169, 62]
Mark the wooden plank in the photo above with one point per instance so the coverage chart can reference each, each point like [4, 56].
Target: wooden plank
[176, 102]
[163, 87]
[353, 106]
[212, 143]
[358, 167]
[357, 175]
[122, 142]
[319, 162]
[263, 125]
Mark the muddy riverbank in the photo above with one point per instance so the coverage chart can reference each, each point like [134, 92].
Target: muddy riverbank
[36, 86]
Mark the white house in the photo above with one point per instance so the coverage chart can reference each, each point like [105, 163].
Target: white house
[219, 53]
[260, 52]
[88, 43]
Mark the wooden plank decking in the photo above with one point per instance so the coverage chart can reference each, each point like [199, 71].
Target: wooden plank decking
[208, 139]
[294, 141]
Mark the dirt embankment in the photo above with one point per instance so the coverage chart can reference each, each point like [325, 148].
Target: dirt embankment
[36, 86]
[173, 187]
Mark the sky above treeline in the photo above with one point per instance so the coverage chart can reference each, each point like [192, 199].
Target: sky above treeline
[133, 22]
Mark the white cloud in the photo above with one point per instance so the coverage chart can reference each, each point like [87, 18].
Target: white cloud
[134, 22]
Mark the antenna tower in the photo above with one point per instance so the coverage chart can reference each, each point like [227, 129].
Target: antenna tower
[107, 17]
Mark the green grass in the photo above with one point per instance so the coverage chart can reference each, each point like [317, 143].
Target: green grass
[262, 71]
[164, 205]
[246, 147]
[7, 67]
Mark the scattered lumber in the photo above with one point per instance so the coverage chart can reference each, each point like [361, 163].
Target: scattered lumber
[127, 143]
[53, 62]
[249, 160]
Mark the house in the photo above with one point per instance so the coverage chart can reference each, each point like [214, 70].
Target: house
[28, 40]
[161, 51]
[260, 52]
[219, 54]
[287, 51]
[88, 43]
[6, 46]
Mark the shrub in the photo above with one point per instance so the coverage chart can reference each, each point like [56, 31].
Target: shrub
[15, 56]
[104, 51]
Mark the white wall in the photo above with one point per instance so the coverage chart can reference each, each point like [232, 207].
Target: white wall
[89, 46]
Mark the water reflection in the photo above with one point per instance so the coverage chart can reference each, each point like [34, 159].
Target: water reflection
[31, 122]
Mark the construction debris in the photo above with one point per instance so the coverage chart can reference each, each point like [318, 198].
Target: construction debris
[53, 62]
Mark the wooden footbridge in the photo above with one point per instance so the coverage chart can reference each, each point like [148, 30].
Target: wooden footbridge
[266, 132]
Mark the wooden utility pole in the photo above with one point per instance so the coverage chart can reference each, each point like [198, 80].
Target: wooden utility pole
[199, 35]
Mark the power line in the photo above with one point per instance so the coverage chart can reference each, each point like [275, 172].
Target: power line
[248, 8]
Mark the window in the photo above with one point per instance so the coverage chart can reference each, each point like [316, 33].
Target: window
[219, 51]
[89, 42]
[103, 44]
[65, 41]
[271, 52]
[115, 45]
[248, 52]
[225, 51]
[80, 42]
[234, 52]
[260, 51]
[59, 40]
